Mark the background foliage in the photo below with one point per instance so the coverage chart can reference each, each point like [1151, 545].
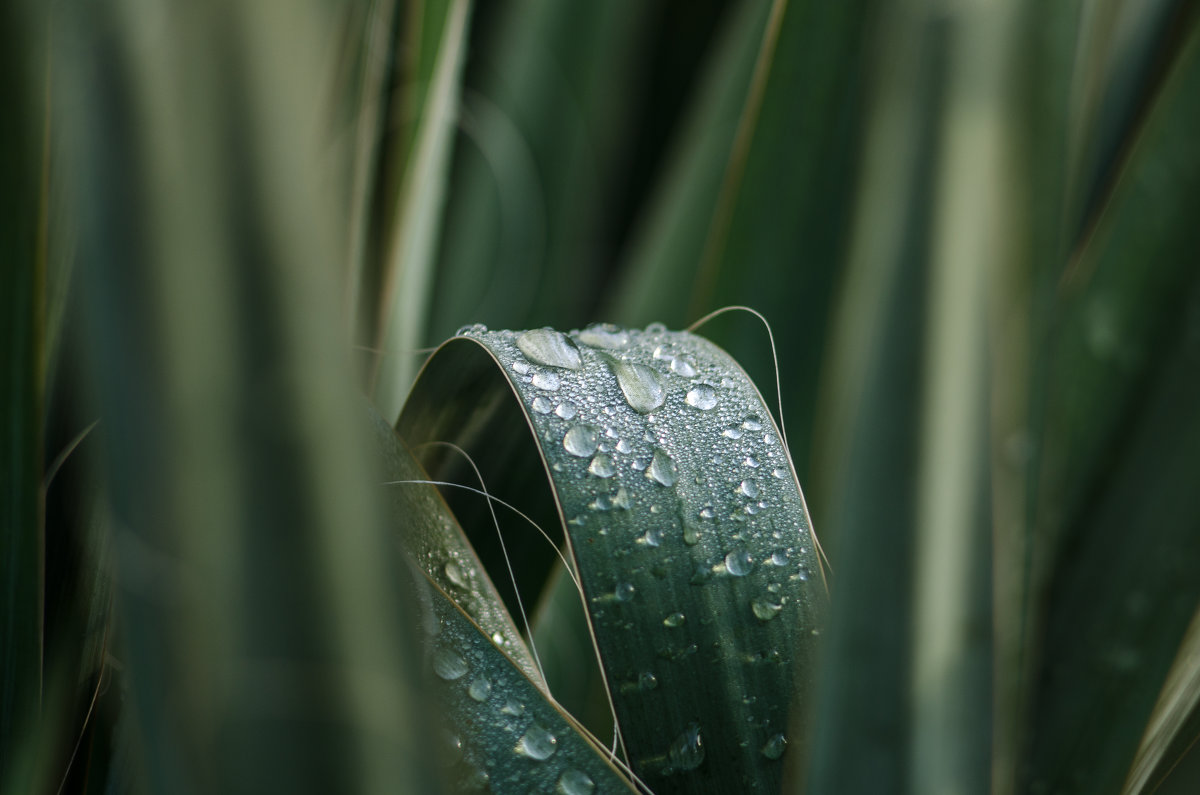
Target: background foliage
[971, 225]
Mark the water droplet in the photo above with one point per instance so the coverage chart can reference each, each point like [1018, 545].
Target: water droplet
[575, 782]
[708, 512]
[522, 367]
[602, 466]
[651, 538]
[474, 328]
[748, 488]
[687, 751]
[480, 689]
[551, 348]
[455, 575]
[542, 404]
[775, 746]
[641, 463]
[764, 609]
[732, 433]
[682, 367]
[656, 328]
[624, 447]
[647, 680]
[674, 620]
[779, 557]
[750, 461]
[691, 535]
[642, 386]
[802, 574]
[624, 591]
[537, 744]
[752, 423]
[566, 410]
[581, 440]
[604, 335]
[702, 396]
[622, 500]
[739, 562]
[780, 473]
[662, 468]
[547, 380]
[513, 707]
[448, 665]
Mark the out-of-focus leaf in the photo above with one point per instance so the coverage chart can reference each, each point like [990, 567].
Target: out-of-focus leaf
[907, 419]
[413, 190]
[1119, 437]
[22, 193]
[685, 524]
[546, 128]
[269, 637]
[758, 213]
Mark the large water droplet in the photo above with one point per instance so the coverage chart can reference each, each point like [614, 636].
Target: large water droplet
[765, 609]
[448, 665]
[708, 512]
[547, 380]
[662, 468]
[602, 466]
[542, 404]
[674, 620]
[748, 488]
[622, 500]
[474, 328]
[775, 746]
[647, 680]
[752, 423]
[604, 335]
[642, 386]
[582, 440]
[691, 535]
[682, 367]
[624, 591]
[739, 562]
[566, 410]
[513, 707]
[702, 396]
[537, 744]
[455, 574]
[480, 689]
[687, 751]
[549, 347]
[575, 782]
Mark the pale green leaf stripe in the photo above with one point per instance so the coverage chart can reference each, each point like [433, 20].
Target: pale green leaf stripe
[689, 532]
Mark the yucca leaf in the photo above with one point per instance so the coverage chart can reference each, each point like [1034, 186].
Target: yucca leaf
[684, 522]
[412, 193]
[22, 196]
[268, 621]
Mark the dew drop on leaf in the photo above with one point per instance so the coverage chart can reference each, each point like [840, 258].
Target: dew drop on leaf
[752, 423]
[537, 744]
[647, 680]
[739, 562]
[674, 620]
[682, 367]
[702, 396]
[480, 689]
[566, 410]
[602, 466]
[748, 488]
[624, 591]
[513, 707]
[551, 348]
[775, 746]
[455, 575]
[542, 404]
[662, 468]
[575, 782]
[642, 386]
[448, 665]
[604, 335]
[765, 609]
[581, 440]
[547, 380]
[687, 750]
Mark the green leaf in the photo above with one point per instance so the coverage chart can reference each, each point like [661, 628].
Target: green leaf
[269, 627]
[22, 193]
[684, 523]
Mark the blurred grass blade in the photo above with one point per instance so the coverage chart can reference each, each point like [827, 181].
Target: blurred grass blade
[1126, 333]
[907, 414]
[408, 259]
[268, 634]
[509, 736]
[548, 123]
[758, 213]
[22, 273]
[1131, 63]
[663, 459]
[1168, 734]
